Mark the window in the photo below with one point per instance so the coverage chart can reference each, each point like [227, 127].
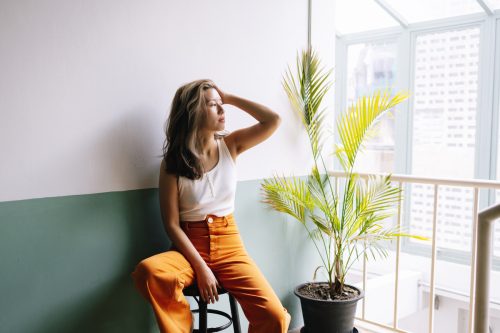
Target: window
[448, 129]
[444, 134]
[444, 129]
[371, 67]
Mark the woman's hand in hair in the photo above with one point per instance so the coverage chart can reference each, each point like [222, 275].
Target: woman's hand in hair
[223, 95]
[207, 284]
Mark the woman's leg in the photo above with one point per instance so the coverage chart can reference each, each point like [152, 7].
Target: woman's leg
[244, 280]
[160, 279]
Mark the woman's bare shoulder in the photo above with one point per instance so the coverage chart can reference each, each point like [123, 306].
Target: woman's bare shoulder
[167, 178]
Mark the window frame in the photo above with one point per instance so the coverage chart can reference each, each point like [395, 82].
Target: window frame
[496, 108]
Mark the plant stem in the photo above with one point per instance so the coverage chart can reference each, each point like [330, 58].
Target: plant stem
[329, 267]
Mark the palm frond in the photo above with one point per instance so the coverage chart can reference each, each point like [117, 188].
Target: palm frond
[348, 212]
[375, 200]
[318, 232]
[322, 197]
[322, 224]
[315, 132]
[306, 93]
[354, 126]
[290, 196]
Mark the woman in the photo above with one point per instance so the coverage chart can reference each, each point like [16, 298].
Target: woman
[197, 189]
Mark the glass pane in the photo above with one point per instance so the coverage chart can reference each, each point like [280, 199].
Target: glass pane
[425, 10]
[454, 215]
[495, 4]
[444, 128]
[361, 15]
[372, 66]
[445, 103]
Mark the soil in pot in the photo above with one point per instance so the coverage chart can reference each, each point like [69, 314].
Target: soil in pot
[321, 290]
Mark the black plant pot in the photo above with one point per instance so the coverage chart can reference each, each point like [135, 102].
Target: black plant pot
[328, 316]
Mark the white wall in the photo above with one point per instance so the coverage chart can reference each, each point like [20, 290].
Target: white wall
[86, 85]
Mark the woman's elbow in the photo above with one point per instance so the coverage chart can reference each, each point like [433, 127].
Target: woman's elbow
[276, 120]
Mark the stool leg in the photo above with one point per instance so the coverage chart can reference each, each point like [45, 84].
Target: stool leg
[202, 328]
[234, 314]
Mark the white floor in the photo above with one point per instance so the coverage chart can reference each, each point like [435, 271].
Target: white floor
[297, 330]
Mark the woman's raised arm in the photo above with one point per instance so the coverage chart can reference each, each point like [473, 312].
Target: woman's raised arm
[246, 138]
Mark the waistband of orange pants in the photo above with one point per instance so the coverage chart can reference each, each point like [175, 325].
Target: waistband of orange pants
[210, 218]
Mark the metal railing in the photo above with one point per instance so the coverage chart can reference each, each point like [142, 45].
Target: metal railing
[486, 219]
[480, 258]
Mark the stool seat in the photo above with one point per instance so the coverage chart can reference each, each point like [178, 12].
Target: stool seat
[203, 311]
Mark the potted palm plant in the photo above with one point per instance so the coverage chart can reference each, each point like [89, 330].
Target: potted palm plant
[343, 224]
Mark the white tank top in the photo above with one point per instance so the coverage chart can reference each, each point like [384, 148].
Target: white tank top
[212, 194]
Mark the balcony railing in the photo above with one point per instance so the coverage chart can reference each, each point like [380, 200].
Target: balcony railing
[482, 229]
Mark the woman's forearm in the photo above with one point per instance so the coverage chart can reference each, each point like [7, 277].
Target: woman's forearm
[184, 245]
[260, 112]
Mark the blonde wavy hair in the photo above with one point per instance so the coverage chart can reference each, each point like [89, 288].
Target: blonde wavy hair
[181, 145]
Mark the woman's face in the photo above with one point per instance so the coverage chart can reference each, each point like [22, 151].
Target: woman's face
[214, 116]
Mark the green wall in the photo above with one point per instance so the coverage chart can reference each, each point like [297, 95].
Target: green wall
[66, 261]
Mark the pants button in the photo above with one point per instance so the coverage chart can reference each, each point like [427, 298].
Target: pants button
[210, 220]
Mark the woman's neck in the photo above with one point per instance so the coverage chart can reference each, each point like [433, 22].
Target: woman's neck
[206, 145]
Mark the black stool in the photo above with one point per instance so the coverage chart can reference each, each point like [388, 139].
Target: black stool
[234, 318]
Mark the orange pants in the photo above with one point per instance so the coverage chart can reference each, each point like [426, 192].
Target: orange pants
[161, 278]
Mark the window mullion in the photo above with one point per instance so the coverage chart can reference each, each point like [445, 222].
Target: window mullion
[402, 140]
[340, 88]
[484, 162]
[495, 118]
